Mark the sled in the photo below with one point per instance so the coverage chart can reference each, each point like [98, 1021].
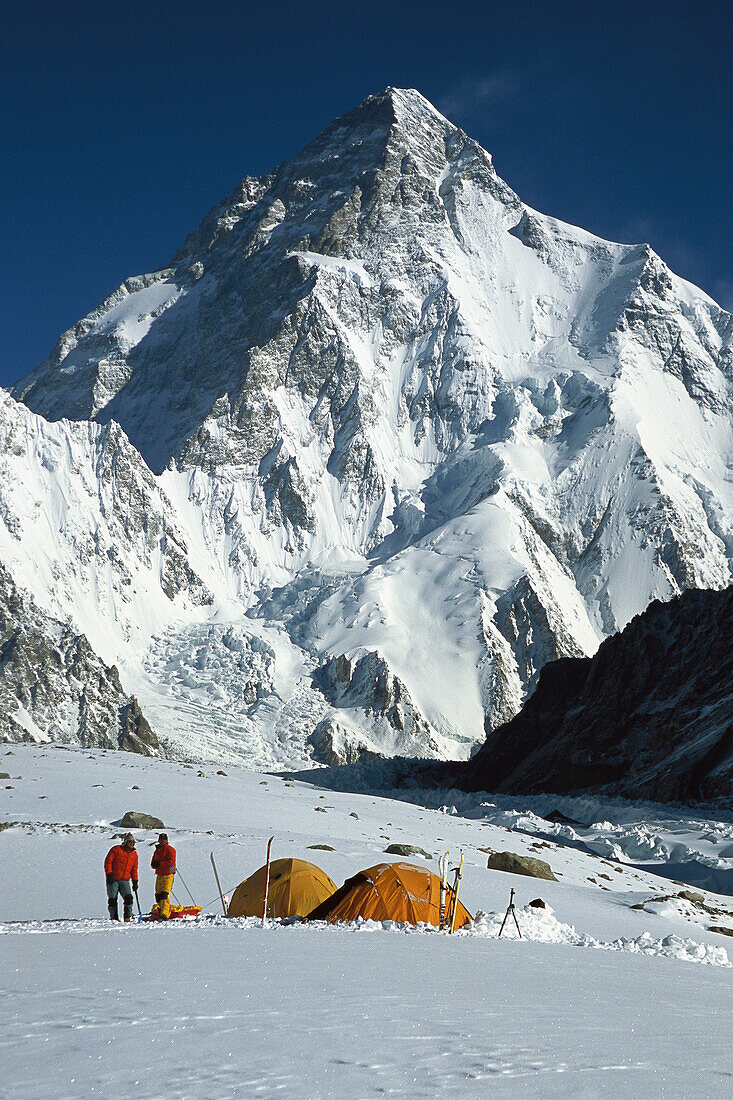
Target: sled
[178, 912]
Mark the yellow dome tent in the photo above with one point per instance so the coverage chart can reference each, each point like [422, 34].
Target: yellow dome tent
[296, 887]
[390, 891]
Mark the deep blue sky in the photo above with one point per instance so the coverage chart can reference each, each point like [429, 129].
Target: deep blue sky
[121, 125]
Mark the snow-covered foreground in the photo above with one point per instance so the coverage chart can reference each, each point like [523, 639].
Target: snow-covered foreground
[597, 997]
[217, 1011]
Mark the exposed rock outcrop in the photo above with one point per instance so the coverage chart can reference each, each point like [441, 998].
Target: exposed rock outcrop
[366, 681]
[53, 687]
[649, 716]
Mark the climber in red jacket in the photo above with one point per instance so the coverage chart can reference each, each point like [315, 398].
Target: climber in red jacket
[120, 867]
[164, 865]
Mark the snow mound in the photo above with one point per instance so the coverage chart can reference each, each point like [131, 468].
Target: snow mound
[538, 926]
[542, 926]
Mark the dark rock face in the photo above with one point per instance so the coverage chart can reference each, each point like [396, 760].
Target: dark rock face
[54, 687]
[136, 734]
[649, 716]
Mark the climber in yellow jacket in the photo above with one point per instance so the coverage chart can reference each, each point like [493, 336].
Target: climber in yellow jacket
[164, 865]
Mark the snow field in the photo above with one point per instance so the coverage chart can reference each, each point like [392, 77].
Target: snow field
[224, 1012]
[226, 1008]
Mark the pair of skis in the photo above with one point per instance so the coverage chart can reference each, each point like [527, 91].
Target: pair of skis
[444, 922]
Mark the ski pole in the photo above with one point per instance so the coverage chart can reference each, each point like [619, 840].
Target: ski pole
[267, 881]
[139, 910]
[216, 876]
[184, 886]
[456, 884]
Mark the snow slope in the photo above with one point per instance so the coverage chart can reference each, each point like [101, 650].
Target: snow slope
[387, 409]
[87, 529]
[598, 995]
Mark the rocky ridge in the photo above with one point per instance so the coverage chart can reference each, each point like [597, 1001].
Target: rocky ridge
[649, 716]
[53, 687]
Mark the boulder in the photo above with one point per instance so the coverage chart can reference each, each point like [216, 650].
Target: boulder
[692, 896]
[133, 820]
[407, 850]
[537, 903]
[516, 864]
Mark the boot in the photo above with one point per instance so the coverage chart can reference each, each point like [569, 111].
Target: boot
[164, 905]
[112, 906]
[128, 916]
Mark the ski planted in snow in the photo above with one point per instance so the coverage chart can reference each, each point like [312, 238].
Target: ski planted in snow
[443, 868]
[267, 881]
[218, 884]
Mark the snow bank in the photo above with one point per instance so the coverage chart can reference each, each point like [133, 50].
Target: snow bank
[542, 926]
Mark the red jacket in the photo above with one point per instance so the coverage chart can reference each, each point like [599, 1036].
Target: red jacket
[121, 863]
[164, 860]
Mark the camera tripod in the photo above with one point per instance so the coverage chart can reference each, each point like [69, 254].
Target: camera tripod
[510, 909]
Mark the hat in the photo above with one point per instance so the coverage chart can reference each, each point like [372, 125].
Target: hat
[128, 836]
[163, 837]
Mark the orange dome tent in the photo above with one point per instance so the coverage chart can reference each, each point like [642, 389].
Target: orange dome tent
[390, 891]
[296, 887]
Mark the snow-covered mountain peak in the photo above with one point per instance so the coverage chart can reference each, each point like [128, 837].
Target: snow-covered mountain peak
[426, 428]
[395, 120]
